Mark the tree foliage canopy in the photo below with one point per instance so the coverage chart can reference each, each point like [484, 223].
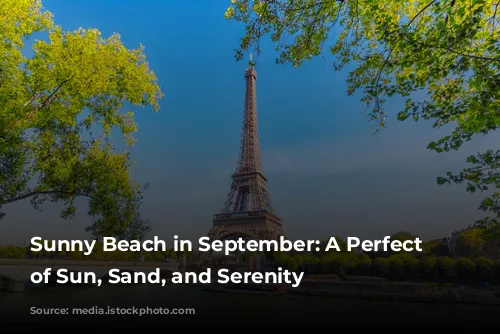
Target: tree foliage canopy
[60, 100]
[448, 50]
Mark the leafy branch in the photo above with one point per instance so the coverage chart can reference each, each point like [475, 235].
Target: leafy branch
[448, 51]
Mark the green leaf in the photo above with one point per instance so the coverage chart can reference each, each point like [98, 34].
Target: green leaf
[441, 180]
[488, 202]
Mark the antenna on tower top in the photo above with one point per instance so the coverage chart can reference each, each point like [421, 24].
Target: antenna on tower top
[250, 57]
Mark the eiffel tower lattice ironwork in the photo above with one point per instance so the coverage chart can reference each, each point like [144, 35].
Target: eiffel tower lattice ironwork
[247, 212]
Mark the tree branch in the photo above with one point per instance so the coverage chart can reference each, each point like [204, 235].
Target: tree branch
[382, 69]
[47, 100]
[48, 192]
[460, 53]
[421, 11]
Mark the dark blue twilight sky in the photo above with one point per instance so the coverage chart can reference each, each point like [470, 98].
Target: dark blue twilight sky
[327, 174]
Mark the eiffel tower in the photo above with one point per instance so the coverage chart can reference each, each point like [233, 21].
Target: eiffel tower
[248, 212]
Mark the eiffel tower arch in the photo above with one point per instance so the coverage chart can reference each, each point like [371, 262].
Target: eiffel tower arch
[248, 212]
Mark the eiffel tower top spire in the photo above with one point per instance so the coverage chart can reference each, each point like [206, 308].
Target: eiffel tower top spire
[249, 159]
[248, 191]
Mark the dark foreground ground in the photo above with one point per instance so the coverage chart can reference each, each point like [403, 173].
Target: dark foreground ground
[227, 310]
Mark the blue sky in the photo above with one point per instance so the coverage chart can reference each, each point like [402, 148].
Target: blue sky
[328, 175]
